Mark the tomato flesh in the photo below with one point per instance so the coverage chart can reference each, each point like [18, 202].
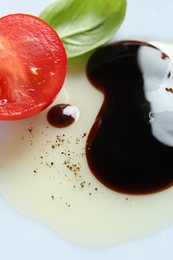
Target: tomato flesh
[33, 66]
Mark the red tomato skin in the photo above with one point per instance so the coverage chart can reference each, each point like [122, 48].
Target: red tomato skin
[33, 66]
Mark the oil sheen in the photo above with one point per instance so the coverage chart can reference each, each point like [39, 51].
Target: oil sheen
[45, 174]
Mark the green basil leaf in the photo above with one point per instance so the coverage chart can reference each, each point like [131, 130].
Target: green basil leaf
[84, 25]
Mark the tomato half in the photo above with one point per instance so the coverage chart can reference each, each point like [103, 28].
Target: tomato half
[33, 65]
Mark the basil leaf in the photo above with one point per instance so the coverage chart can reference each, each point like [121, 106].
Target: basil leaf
[84, 25]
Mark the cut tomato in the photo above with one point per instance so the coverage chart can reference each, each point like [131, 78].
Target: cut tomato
[33, 66]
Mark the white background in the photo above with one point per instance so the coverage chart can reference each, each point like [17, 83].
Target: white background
[25, 239]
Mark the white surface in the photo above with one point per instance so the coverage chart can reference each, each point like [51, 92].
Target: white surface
[24, 239]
